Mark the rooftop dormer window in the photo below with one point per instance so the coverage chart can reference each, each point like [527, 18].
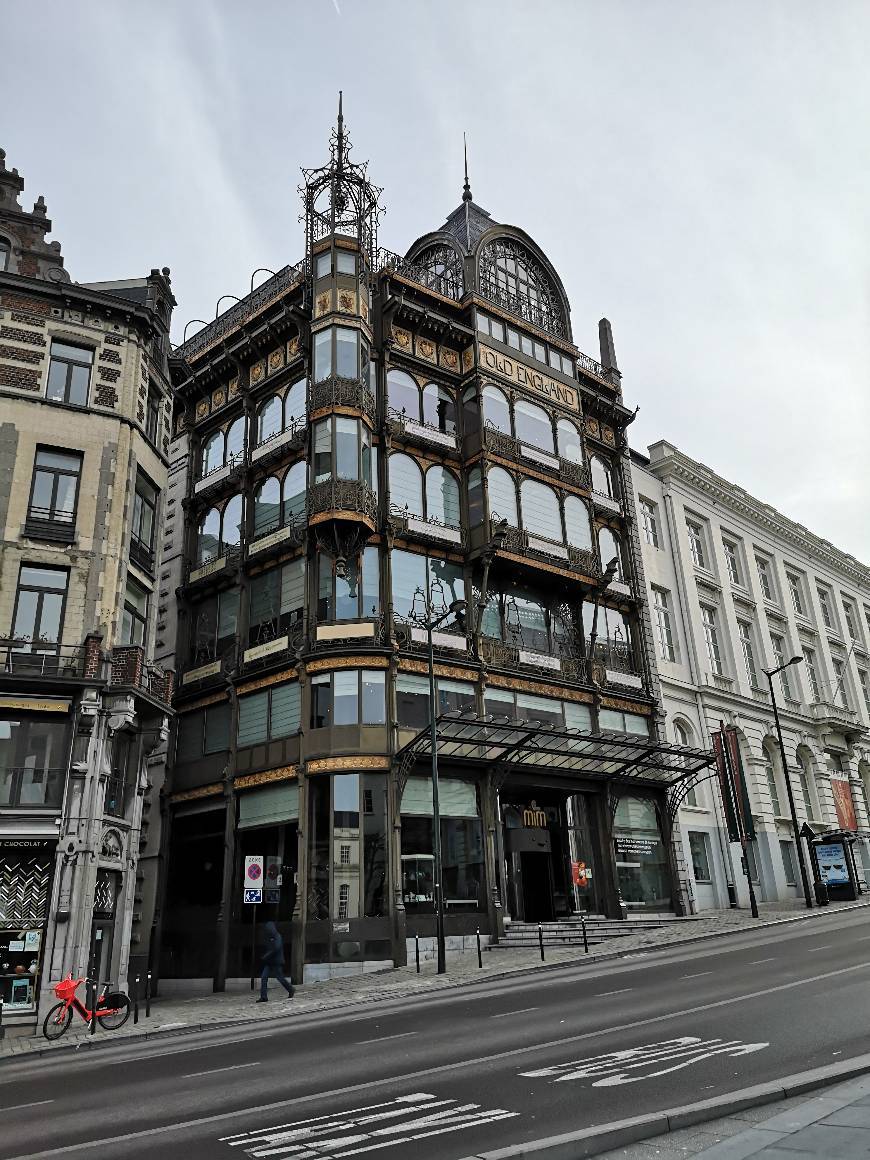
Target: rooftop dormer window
[510, 277]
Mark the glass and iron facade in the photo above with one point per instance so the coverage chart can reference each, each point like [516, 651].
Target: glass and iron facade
[365, 435]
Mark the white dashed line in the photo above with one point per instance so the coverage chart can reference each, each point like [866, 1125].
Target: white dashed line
[384, 1038]
[826, 947]
[504, 1014]
[35, 1104]
[604, 994]
[698, 976]
[215, 1070]
[755, 962]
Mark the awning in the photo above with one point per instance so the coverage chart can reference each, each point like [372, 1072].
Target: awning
[465, 738]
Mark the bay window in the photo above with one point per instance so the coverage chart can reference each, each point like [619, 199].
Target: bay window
[338, 351]
[276, 601]
[353, 594]
[343, 450]
[214, 623]
[348, 697]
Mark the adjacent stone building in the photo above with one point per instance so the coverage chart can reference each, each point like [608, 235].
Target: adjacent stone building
[364, 443]
[734, 589]
[85, 405]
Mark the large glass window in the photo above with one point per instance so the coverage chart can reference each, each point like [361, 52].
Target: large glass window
[267, 506]
[475, 497]
[406, 484]
[461, 845]
[649, 522]
[294, 492]
[212, 454]
[33, 761]
[295, 404]
[348, 697]
[69, 373]
[641, 858]
[403, 394]
[134, 618]
[54, 495]
[231, 523]
[208, 536]
[276, 601]
[270, 418]
[203, 733]
[496, 410]
[662, 622]
[439, 408]
[569, 441]
[336, 351]
[442, 496]
[411, 572]
[352, 593]
[143, 523]
[610, 548]
[711, 639]
[602, 477]
[343, 450]
[699, 848]
[412, 699]
[214, 625]
[502, 496]
[533, 425]
[541, 516]
[39, 604]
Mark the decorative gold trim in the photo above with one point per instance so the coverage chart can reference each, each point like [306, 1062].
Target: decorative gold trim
[323, 304]
[448, 358]
[545, 567]
[276, 360]
[189, 795]
[454, 671]
[519, 374]
[265, 682]
[627, 706]
[258, 371]
[347, 301]
[403, 339]
[353, 517]
[334, 764]
[329, 663]
[425, 348]
[283, 773]
[467, 359]
[557, 691]
[212, 699]
[218, 398]
[292, 348]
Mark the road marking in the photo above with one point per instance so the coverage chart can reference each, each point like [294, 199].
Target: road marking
[215, 1070]
[613, 1069]
[604, 994]
[698, 976]
[429, 1072]
[812, 950]
[17, 1107]
[384, 1038]
[863, 938]
[522, 1011]
[755, 962]
[413, 1117]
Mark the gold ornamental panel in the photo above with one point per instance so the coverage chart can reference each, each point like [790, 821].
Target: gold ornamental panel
[213, 699]
[327, 664]
[189, 795]
[284, 773]
[340, 764]
[265, 682]
[518, 374]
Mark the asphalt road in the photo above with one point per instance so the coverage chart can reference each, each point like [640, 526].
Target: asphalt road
[480, 1067]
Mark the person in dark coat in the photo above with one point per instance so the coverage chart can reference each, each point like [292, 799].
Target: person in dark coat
[273, 962]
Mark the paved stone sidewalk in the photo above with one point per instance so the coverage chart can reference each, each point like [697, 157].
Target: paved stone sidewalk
[179, 1014]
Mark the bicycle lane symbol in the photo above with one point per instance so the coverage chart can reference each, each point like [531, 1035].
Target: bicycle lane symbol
[639, 1063]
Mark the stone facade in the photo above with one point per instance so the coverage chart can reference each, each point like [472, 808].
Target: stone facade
[742, 589]
[84, 712]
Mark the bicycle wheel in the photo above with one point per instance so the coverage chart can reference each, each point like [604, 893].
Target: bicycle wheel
[57, 1021]
[117, 1006]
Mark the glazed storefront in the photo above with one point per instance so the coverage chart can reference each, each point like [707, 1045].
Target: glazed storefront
[580, 822]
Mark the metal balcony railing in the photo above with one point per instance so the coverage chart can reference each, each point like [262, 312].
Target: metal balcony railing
[335, 391]
[342, 495]
[525, 455]
[41, 659]
[447, 285]
[426, 528]
[417, 431]
[141, 554]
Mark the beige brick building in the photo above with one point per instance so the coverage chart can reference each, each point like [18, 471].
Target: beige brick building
[84, 425]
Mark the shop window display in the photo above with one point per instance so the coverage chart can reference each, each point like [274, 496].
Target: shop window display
[641, 857]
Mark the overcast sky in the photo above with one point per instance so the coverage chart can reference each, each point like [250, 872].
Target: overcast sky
[697, 172]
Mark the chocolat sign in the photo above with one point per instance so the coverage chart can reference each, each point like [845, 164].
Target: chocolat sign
[523, 376]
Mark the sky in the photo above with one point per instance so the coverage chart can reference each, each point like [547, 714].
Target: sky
[697, 172]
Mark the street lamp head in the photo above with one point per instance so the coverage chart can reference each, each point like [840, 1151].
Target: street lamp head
[610, 571]
[458, 607]
[794, 661]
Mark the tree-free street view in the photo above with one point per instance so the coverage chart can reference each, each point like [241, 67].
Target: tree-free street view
[468, 1072]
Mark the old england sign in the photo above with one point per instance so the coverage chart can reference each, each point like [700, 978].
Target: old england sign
[520, 375]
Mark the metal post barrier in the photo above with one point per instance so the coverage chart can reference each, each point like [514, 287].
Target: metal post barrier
[148, 995]
[2, 1028]
[585, 937]
[541, 940]
[417, 951]
[253, 943]
[479, 955]
[136, 1000]
[95, 990]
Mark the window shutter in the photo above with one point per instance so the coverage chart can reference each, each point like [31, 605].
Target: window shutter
[456, 799]
[286, 710]
[189, 737]
[253, 712]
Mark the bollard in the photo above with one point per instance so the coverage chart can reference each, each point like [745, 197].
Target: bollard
[585, 938]
[541, 940]
[148, 995]
[417, 951]
[2, 1028]
[479, 955]
[136, 1001]
[93, 1005]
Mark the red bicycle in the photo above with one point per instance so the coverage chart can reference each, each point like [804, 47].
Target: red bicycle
[112, 1008]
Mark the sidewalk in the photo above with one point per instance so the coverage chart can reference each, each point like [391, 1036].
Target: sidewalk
[178, 1015]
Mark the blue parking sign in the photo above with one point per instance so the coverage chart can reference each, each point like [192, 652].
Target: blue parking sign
[253, 896]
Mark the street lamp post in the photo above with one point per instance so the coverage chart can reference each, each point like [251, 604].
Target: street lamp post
[805, 882]
[599, 590]
[430, 622]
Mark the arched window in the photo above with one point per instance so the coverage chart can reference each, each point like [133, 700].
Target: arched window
[683, 736]
[267, 506]
[231, 524]
[270, 419]
[475, 497]
[213, 453]
[502, 496]
[439, 408]
[610, 548]
[771, 769]
[602, 477]
[442, 496]
[403, 394]
[294, 491]
[208, 539]
[236, 440]
[540, 510]
[5, 254]
[294, 404]
[496, 411]
[406, 485]
[570, 445]
[578, 529]
[533, 425]
[470, 411]
[513, 279]
[807, 779]
[445, 267]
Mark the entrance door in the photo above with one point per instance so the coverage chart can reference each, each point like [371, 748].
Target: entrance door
[101, 953]
[537, 875]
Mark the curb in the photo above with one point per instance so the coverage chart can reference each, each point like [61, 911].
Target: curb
[95, 1043]
[619, 1133]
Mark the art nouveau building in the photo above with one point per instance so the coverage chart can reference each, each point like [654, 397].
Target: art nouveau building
[735, 588]
[363, 438]
[84, 436]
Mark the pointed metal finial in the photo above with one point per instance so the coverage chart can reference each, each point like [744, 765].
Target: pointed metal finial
[466, 189]
[340, 133]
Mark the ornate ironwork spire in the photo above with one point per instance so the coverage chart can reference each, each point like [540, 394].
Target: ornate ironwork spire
[466, 189]
[339, 198]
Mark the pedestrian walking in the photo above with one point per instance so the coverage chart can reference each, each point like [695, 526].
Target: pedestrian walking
[273, 962]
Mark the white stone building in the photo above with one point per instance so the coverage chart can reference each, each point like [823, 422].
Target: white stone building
[734, 589]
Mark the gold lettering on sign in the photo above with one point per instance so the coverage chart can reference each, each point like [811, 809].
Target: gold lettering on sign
[534, 816]
[522, 376]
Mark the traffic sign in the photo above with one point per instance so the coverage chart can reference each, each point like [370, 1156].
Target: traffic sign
[253, 871]
[273, 895]
[253, 896]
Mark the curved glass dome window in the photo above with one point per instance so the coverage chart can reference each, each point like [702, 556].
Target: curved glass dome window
[533, 425]
[443, 266]
[510, 277]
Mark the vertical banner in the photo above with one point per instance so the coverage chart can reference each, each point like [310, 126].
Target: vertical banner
[741, 793]
[843, 800]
